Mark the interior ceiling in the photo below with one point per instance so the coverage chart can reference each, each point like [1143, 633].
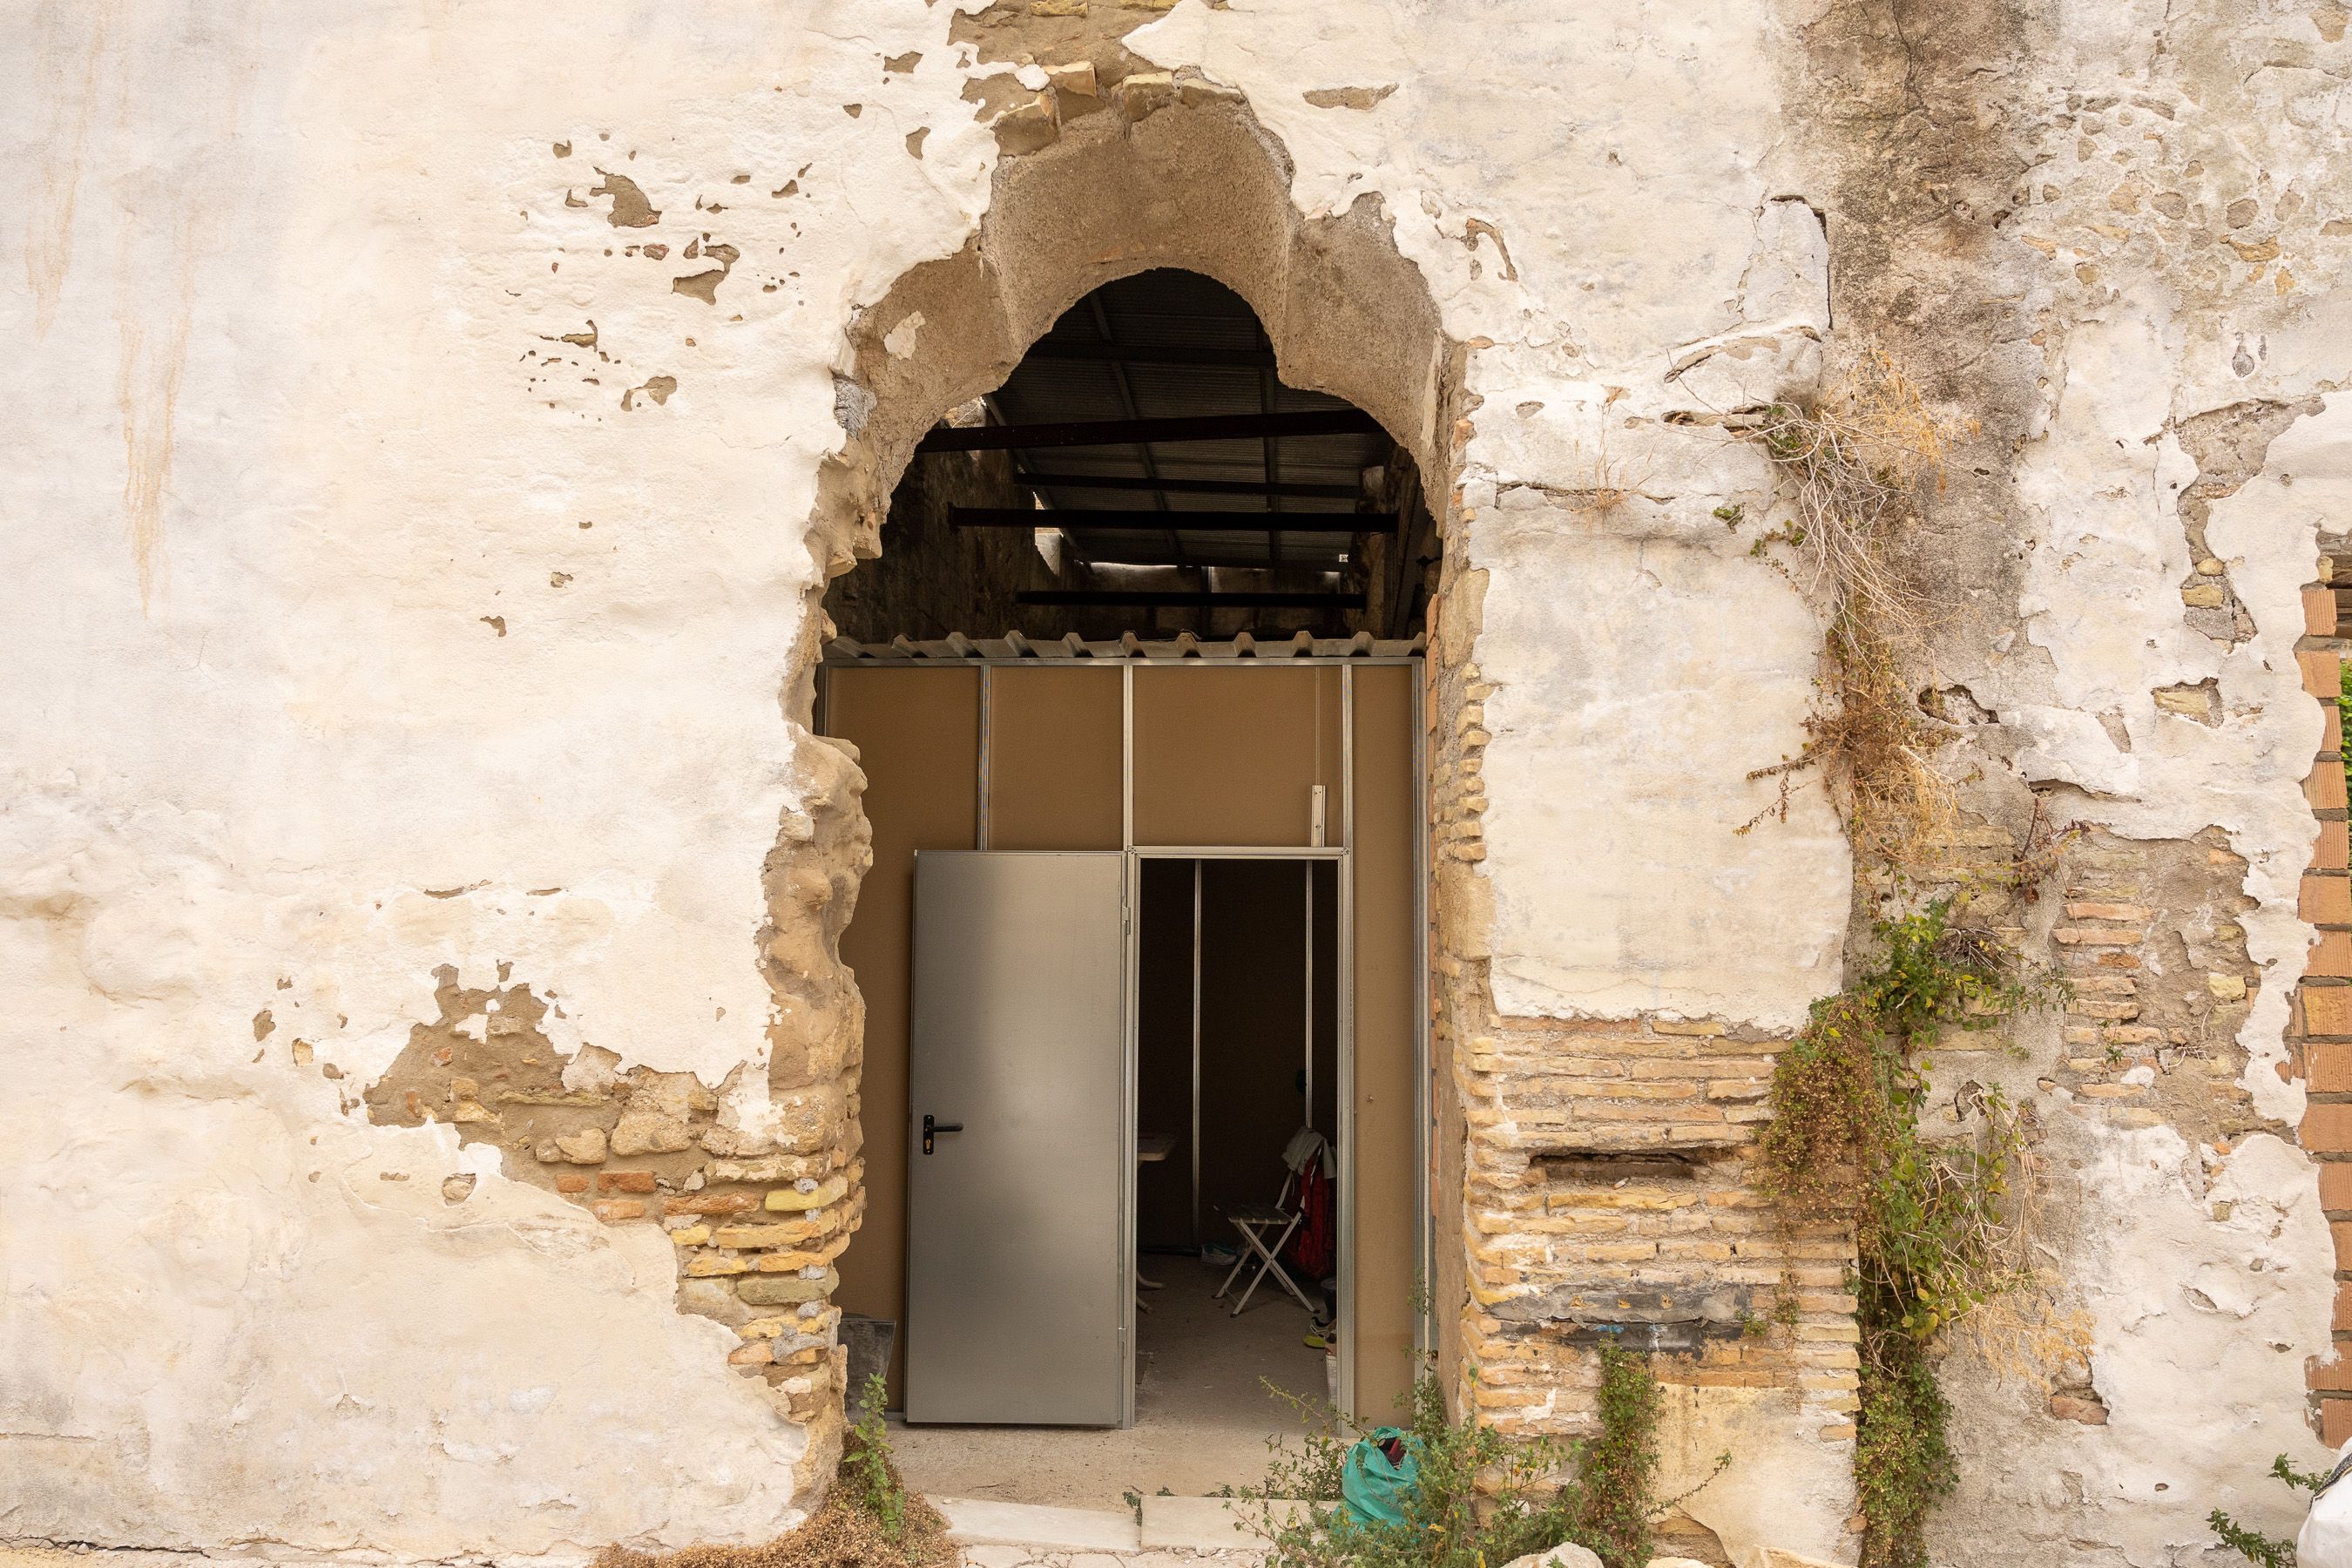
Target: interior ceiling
[1171, 344]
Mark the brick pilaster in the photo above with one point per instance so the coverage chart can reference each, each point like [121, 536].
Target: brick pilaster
[2320, 1029]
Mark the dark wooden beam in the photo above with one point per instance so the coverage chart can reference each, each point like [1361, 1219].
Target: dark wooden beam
[1079, 519]
[1120, 432]
[1151, 353]
[1175, 598]
[1191, 487]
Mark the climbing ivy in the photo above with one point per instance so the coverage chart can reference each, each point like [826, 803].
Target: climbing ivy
[1934, 1234]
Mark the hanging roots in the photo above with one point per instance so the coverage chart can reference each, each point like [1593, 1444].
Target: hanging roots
[1852, 467]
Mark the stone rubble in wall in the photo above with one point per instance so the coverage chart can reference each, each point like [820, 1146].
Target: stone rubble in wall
[758, 1215]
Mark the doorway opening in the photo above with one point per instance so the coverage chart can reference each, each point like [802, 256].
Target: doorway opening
[1136, 684]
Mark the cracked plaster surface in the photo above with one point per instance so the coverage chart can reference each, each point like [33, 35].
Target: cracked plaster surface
[302, 712]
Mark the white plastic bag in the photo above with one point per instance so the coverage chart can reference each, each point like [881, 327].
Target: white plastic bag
[2325, 1539]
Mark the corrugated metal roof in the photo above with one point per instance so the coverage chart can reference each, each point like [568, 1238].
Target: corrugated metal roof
[959, 649]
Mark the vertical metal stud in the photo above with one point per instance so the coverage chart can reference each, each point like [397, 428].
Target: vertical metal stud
[1345, 997]
[1424, 1095]
[1198, 1236]
[1126, 757]
[1309, 867]
[980, 794]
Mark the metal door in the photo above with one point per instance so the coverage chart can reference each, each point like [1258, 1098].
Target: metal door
[1020, 1147]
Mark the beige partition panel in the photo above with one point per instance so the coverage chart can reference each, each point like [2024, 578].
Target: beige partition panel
[1054, 740]
[917, 732]
[1228, 756]
[1387, 1190]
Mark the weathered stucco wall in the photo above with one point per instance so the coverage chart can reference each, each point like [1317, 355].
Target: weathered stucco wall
[420, 494]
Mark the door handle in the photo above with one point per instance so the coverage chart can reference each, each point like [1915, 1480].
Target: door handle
[931, 1126]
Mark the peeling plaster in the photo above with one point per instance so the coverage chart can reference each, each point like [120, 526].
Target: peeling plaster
[313, 405]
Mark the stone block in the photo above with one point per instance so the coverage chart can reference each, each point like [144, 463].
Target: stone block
[649, 1132]
[585, 1147]
[771, 1290]
[2083, 910]
[770, 1167]
[757, 1236]
[825, 1193]
[713, 1204]
[1566, 1555]
[610, 1209]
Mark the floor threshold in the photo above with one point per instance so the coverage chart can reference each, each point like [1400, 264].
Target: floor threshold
[1218, 1530]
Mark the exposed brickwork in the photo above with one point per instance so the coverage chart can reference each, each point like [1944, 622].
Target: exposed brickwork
[1606, 1181]
[2160, 984]
[2321, 1029]
[758, 1215]
[756, 1236]
[1611, 1194]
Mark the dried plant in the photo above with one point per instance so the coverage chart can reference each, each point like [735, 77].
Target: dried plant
[1852, 467]
[869, 1519]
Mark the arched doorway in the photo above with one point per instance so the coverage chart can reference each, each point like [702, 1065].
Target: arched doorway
[1145, 631]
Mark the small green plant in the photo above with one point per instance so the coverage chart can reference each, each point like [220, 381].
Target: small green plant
[874, 1483]
[2270, 1550]
[1615, 1481]
[2251, 1545]
[1903, 1463]
[1482, 1498]
[1935, 1231]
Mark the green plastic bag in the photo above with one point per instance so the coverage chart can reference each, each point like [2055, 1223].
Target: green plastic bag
[1372, 1489]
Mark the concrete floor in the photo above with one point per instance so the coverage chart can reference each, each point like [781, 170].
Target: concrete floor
[1203, 1415]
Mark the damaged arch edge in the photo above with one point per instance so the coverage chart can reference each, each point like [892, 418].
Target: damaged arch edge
[1175, 178]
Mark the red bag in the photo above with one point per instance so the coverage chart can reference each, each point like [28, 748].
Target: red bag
[1312, 1251]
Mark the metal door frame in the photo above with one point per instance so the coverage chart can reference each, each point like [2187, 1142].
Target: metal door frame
[1424, 1108]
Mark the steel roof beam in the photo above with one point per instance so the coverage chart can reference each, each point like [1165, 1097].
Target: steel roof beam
[1123, 432]
[1080, 520]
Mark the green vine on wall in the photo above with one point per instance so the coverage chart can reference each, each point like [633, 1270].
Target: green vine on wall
[1938, 1223]
[1935, 1230]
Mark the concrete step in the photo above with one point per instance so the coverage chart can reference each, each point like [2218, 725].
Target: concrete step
[977, 1521]
[1213, 1523]
[1175, 1532]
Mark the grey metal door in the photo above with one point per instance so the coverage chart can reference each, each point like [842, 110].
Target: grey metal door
[1020, 1153]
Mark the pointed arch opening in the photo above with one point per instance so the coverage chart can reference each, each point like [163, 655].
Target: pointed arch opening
[1133, 554]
